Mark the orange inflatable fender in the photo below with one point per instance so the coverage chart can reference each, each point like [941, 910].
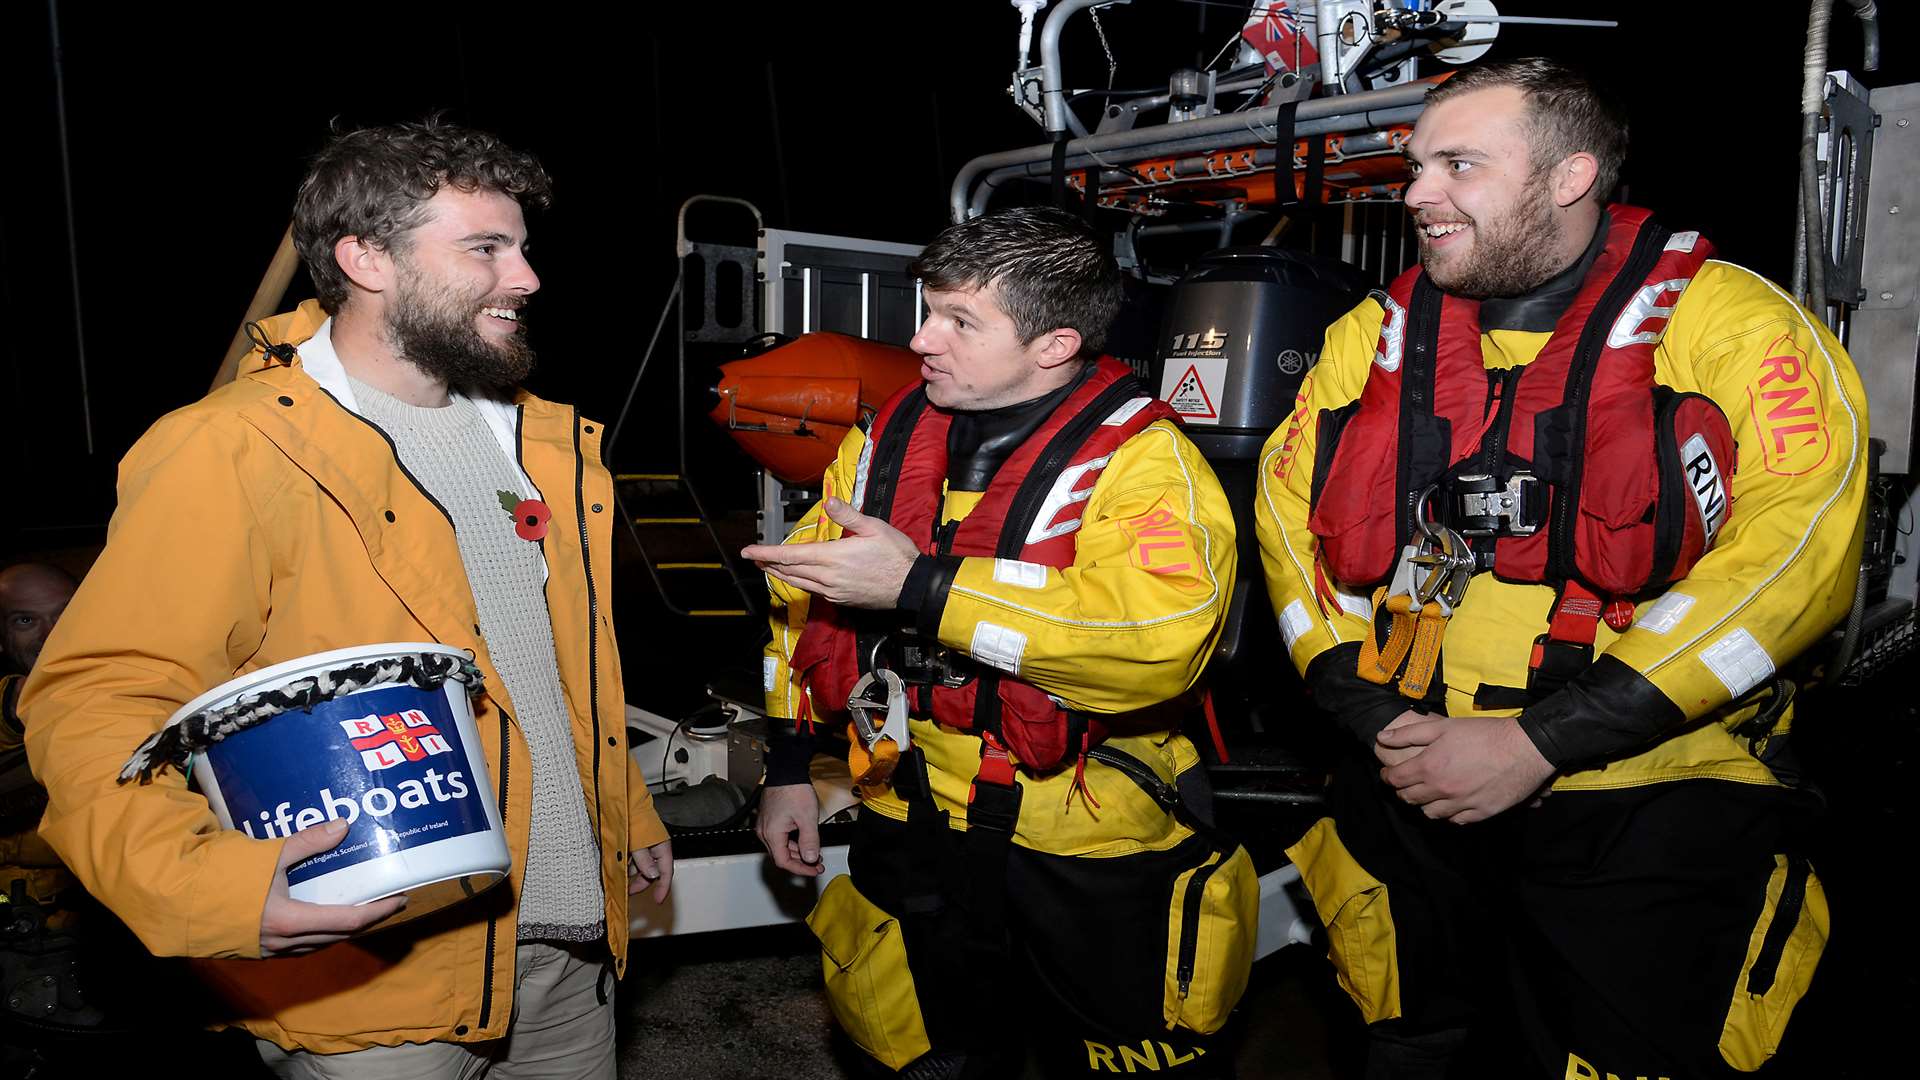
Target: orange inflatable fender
[790, 406]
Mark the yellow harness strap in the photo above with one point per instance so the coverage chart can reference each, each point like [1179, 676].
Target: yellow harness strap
[872, 769]
[1412, 637]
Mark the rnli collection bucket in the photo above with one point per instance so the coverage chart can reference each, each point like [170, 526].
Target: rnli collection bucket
[382, 736]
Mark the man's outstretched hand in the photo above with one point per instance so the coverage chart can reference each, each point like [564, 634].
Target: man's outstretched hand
[865, 568]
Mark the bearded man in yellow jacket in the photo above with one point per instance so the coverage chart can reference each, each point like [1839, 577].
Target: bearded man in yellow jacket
[344, 490]
[1022, 566]
[1550, 517]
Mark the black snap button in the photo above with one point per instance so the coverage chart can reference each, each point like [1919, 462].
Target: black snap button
[589, 429]
[285, 400]
[596, 508]
[618, 856]
[460, 1030]
[389, 515]
[611, 741]
[476, 628]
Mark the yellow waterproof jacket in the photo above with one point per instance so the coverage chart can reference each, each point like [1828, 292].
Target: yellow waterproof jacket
[264, 523]
[1779, 577]
[1105, 635]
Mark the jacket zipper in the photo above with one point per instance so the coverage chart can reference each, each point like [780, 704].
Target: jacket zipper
[593, 623]
[1493, 448]
[1786, 916]
[506, 738]
[1190, 920]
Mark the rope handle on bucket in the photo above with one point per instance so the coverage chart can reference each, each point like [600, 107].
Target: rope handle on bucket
[176, 743]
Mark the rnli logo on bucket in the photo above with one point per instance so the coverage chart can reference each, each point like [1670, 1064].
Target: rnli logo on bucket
[386, 741]
[389, 761]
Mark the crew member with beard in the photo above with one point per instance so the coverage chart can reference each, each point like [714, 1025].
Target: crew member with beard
[372, 475]
[1515, 557]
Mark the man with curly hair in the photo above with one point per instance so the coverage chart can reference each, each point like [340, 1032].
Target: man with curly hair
[347, 488]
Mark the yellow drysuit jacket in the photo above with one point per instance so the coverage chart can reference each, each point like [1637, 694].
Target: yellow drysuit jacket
[1105, 635]
[1779, 577]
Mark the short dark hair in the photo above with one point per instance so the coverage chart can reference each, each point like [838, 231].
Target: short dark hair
[1048, 269]
[1566, 111]
[374, 183]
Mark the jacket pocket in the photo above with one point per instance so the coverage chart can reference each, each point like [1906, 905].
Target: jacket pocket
[1782, 952]
[1352, 904]
[869, 985]
[1696, 463]
[1212, 922]
[1326, 443]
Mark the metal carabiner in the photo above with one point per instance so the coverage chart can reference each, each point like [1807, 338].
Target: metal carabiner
[1437, 565]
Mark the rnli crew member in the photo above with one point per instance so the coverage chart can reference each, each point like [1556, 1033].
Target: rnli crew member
[345, 489]
[1023, 565]
[1517, 556]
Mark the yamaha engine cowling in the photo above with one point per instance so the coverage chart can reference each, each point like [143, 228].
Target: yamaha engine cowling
[1242, 329]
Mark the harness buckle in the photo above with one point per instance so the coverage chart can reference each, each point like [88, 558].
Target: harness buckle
[924, 663]
[1555, 663]
[1485, 507]
[996, 764]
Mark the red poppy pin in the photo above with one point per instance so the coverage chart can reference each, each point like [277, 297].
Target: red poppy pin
[530, 516]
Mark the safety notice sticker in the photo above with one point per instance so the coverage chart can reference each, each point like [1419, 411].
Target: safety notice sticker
[1192, 387]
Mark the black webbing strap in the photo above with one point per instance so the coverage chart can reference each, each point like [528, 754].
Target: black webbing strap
[993, 812]
[932, 873]
[979, 875]
[1316, 172]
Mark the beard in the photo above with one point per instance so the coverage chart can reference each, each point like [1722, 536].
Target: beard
[1510, 256]
[431, 326]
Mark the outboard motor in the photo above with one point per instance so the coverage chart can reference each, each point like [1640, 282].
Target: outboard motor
[1243, 328]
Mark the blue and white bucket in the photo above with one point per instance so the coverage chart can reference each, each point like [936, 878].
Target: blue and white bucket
[403, 765]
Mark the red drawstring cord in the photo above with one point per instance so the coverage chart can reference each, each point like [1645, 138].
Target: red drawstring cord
[1080, 775]
[1213, 725]
[1323, 593]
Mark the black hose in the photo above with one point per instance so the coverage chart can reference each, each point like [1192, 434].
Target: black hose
[1812, 104]
[1856, 620]
[1869, 17]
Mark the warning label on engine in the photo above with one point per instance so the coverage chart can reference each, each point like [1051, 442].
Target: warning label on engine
[1192, 387]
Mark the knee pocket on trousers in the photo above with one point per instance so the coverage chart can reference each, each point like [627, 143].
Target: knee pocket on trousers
[1353, 906]
[1782, 952]
[1212, 924]
[869, 985]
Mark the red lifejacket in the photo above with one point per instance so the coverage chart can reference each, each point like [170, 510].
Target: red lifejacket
[1030, 511]
[1633, 480]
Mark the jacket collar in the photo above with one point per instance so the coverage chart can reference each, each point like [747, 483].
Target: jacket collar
[322, 364]
[1539, 309]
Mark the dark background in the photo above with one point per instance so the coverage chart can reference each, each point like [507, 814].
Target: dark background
[188, 132]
